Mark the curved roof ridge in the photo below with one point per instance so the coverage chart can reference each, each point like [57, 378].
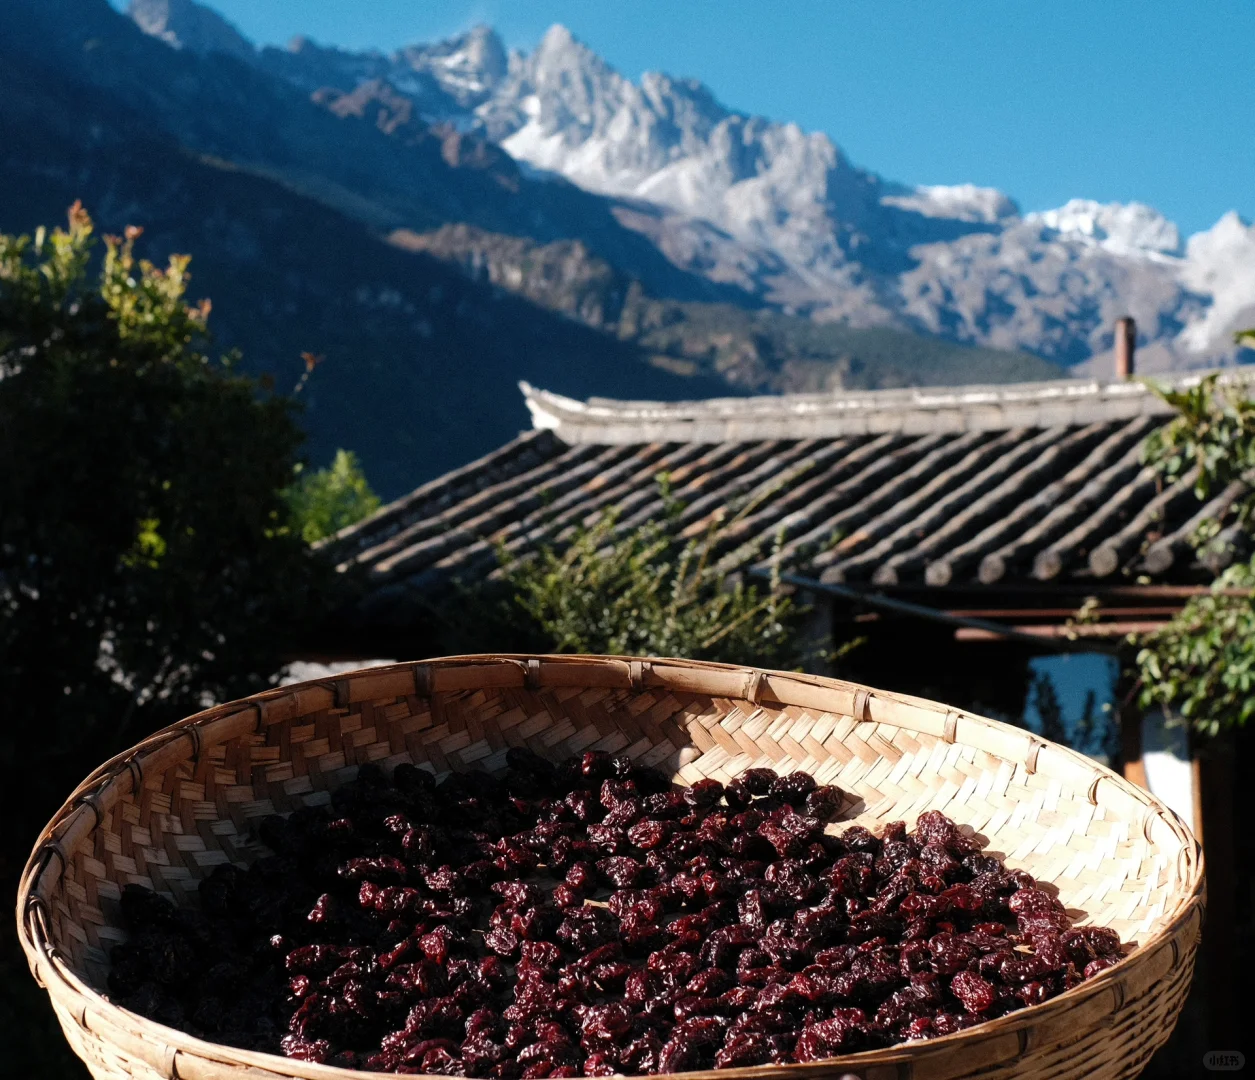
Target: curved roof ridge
[906, 410]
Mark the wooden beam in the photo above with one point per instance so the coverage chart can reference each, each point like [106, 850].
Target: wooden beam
[1064, 612]
[1130, 720]
[1163, 553]
[1014, 514]
[1092, 495]
[1108, 556]
[1078, 630]
[1023, 594]
[902, 607]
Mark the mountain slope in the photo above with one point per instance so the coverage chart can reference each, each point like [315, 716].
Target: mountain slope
[421, 362]
[227, 106]
[758, 351]
[286, 198]
[786, 218]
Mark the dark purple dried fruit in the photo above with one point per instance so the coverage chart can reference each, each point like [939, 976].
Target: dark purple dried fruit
[649, 833]
[793, 788]
[976, 994]
[620, 871]
[321, 949]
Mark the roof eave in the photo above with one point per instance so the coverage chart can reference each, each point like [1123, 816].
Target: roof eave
[907, 411]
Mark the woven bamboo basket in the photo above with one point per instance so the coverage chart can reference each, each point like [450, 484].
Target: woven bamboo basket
[166, 812]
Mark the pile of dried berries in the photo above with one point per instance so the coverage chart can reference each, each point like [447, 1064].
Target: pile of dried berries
[587, 918]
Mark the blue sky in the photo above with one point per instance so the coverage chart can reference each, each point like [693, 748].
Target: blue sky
[1150, 100]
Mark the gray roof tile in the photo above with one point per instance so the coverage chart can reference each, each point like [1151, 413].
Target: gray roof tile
[937, 487]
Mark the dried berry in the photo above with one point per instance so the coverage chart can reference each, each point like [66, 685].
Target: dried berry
[620, 871]
[703, 927]
[793, 788]
[649, 833]
[824, 802]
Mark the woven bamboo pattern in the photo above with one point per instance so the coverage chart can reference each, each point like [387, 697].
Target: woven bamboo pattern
[164, 813]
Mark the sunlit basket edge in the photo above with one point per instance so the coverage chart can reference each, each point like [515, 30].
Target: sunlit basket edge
[1107, 1027]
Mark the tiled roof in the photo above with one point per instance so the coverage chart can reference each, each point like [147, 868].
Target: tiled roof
[928, 487]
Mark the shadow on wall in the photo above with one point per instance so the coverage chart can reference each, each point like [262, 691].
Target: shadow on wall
[1071, 699]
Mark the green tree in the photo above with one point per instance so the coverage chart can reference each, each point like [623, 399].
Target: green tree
[147, 566]
[325, 501]
[640, 591]
[1202, 662]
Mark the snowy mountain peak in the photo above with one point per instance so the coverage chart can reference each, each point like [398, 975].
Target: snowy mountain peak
[183, 24]
[1122, 228]
[780, 213]
[959, 202]
[668, 140]
[467, 67]
[558, 39]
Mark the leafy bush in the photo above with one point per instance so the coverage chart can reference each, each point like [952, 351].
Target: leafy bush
[325, 501]
[1202, 662]
[1213, 432]
[642, 592]
[146, 560]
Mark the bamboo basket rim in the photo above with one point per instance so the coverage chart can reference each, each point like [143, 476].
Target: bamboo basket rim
[161, 1045]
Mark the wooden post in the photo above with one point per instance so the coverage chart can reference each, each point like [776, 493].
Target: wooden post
[1126, 343]
[1213, 817]
[1131, 764]
[1129, 719]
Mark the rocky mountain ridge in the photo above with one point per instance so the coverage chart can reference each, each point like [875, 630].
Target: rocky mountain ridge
[313, 219]
[756, 351]
[784, 217]
[421, 361]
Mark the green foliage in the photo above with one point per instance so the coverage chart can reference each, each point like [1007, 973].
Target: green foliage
[146, 563]
[327, 500]
[1202, 662]
[1213, 433]
[642, 592]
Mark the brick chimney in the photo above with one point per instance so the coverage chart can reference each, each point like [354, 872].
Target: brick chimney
[1126, 343]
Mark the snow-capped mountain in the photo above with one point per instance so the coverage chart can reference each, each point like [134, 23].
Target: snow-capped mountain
[183, 24]
[782, 213]
[1123, 229]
